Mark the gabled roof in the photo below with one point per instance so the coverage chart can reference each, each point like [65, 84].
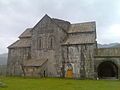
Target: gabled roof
[45, 17]
[82, 27]
[80, 39]
[26, 42]
[26, 33]
[68, 28]
[63, 24]
[35, 62]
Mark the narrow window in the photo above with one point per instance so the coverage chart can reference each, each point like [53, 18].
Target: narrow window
[39, 43]
[51, 42]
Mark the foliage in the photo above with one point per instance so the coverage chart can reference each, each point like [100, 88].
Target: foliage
[18, 83]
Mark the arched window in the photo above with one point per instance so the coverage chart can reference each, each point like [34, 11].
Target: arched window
[39, 43]
[51, 42]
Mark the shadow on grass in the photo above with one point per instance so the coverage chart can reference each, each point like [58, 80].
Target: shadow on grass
[2, 85]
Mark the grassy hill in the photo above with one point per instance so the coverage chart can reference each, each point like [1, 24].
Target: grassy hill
[15, 83]
[3, 59]
[111, 45]
[118, 45]
[3, 63]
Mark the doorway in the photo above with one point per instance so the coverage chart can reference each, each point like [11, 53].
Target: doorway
[107, 70]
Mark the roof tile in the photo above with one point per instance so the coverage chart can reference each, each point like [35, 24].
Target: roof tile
[82, 27]
[26, 42]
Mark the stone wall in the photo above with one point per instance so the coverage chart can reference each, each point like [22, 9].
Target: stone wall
[101, 52]
[16, 57]
[99, 60]
[36, 71]
[50, 36]
[107, 54]
[82, 59]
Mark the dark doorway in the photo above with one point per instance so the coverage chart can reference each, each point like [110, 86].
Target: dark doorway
[107, 69]
[44, 74]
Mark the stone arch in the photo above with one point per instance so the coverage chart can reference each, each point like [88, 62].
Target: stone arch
[51, 42]
[107, 69]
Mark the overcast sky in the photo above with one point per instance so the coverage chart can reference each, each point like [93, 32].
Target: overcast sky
[17, 15]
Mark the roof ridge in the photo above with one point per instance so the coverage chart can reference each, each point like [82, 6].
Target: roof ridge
[60, 20]
[84, 22]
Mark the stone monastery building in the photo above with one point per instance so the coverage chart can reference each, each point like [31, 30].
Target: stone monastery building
[57, 48]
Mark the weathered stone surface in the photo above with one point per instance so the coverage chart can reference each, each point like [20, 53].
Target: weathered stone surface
[56, 48]
[82, 59]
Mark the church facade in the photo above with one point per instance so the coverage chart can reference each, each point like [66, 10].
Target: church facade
[57, 48]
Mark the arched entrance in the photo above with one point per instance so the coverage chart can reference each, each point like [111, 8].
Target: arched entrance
[107, 69]
[69, 71]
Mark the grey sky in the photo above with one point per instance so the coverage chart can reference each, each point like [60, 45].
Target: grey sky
[17, 15]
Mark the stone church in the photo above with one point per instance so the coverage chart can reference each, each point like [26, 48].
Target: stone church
[57, 48]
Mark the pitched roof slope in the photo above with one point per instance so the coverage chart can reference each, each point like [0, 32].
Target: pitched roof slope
[80, 39]
[82, 27]
[26, 33]
[61, 23]
[35, 62]
[21, 43]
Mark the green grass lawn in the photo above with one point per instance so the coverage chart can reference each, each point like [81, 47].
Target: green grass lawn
[17, 83]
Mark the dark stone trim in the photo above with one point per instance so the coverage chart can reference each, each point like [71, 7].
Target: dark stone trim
[90, 32]
[77, 44]
[106, 56]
